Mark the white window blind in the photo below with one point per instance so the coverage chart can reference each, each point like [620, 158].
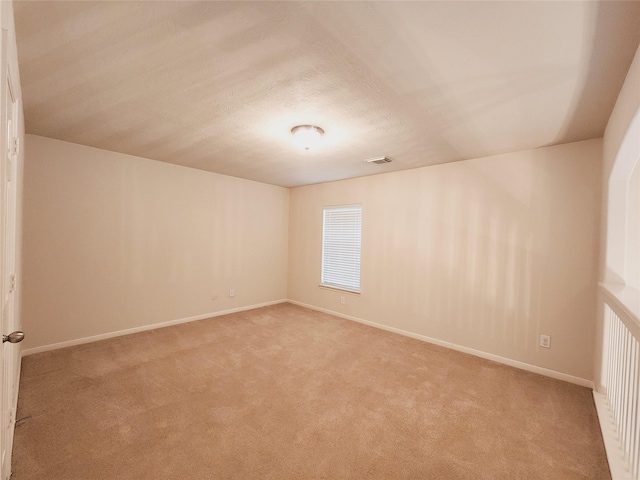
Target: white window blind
[341, 241]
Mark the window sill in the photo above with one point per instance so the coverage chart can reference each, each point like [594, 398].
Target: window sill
[340, 289]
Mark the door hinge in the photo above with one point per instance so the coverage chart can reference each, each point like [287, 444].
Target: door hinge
[12, 283]
[15, 146]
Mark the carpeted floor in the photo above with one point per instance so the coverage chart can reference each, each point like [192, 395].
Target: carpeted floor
[283, 392]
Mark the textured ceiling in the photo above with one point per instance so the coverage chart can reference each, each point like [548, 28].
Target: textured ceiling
[218, 85]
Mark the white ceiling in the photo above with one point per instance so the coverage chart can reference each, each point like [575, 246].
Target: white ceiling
[219, 85]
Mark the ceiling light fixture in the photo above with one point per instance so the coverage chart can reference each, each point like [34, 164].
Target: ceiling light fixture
[307, 136]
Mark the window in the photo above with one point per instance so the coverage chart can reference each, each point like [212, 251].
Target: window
[341, 240]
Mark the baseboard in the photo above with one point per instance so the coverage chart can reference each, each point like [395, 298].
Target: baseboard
[615, 456]
[153, 326]
[478, 353]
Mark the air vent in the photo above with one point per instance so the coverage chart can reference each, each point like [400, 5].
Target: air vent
[379, 160]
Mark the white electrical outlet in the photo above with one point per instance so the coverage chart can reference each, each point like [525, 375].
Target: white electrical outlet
[232, 293]
[214, 296]
[545, 341]
[342, 300]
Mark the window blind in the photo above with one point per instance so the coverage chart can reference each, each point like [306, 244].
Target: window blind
[341, 242]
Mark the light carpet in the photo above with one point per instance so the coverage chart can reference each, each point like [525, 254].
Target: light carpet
[284, 392]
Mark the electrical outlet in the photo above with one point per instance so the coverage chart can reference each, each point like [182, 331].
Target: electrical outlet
[342, 300]
[545, 341]
[214, 296]
[232, 293]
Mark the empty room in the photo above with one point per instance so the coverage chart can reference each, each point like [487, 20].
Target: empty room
[320, 240]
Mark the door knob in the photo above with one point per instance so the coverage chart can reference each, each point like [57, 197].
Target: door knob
[13, 337]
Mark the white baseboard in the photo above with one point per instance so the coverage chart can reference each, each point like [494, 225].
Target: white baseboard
[615, 455]
[478, 353]
[153, 326]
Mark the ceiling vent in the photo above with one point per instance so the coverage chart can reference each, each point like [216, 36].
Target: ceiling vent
[379, 160]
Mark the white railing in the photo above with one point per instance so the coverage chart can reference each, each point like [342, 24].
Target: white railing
[619, 404]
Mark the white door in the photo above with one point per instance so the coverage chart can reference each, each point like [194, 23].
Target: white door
[9, 357]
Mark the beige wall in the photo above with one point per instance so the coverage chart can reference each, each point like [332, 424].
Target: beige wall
[114, 242]
[486, 254]
[632, 260]
[621, 149]
[615, 180]
[626, 106]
